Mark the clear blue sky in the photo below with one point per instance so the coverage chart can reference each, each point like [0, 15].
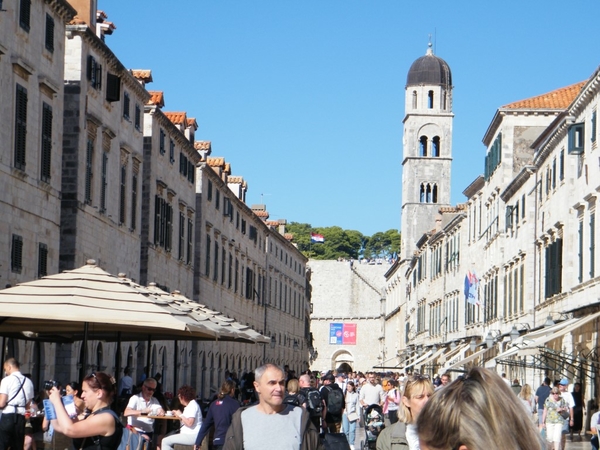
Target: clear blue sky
[305, 98]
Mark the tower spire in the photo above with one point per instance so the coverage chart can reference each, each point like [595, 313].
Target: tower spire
[429, 46]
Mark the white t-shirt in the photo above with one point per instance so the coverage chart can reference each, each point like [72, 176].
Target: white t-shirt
[568, 398]
[10, 386]
[412, 437]
[192, 410]
[594, 420]
[138, 403]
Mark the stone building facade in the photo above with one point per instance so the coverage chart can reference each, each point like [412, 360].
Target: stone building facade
[32, 51]
[127, 185]
[347, 321]
[525, 239]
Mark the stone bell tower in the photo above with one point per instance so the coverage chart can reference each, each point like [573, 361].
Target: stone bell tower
[427, 147]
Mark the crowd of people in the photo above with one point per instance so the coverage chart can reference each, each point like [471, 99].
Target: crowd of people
[272, 408]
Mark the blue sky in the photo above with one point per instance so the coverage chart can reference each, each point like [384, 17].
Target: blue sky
[305, 98]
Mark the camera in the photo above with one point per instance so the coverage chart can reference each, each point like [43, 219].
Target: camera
[50, 384]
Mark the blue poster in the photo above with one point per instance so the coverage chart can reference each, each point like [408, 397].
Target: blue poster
[336, 332]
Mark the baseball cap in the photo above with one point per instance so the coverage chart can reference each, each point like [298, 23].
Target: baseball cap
[564, 382]
[328, 377]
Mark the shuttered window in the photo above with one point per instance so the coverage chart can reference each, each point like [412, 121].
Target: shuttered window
[20, 126]
[42, 260]
[46, 142]
[89, 170]
[134, 183]
[122, 195]
[49, 38]
[104, 182]
[16, 254]
[25, 14]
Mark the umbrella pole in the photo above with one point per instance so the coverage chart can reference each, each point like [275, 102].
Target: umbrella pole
[118, 360]
[175, 366]
[84, 352]
[148, 351]
[3, 349]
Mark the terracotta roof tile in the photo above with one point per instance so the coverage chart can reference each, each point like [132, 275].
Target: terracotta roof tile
[557, 99]
[228, 167]
[215, 161]
[157, 98]
[191, 122]
[144, 75]
[202, 145]
[272, 223]
[178, 118]
[262, 214]
[288, 236]
[235, 179]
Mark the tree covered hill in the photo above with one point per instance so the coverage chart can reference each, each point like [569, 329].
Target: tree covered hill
[340, 243]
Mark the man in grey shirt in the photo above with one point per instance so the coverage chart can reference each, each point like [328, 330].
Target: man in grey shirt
[271, 424]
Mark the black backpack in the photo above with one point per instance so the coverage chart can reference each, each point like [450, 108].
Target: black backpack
[312, 398]
[292, 399]
[335, 401]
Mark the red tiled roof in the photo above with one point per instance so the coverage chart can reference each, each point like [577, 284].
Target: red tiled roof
[262, 214]
[144, 75]
[272, 223]
[157, 98]
[215, 161]
[288, 236]
[557, 99]
[235, 179]
[202, 145]
[191, 122]
[178, 118]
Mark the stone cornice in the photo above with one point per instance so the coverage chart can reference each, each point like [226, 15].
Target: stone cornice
[62, 8]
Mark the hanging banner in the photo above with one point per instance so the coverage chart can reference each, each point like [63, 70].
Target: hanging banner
[342, 333]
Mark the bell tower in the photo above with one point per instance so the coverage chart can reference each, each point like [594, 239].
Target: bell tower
[427, 147]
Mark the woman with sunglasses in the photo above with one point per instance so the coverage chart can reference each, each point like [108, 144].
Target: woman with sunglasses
[476, 412]
[403, 434]
[98, 431]
[553, 420]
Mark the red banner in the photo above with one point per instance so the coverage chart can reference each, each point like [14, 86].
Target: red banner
[349, 334]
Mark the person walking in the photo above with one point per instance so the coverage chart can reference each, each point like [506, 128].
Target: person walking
[16, 393]
[556, 413]
[219, 415]
[350, 416]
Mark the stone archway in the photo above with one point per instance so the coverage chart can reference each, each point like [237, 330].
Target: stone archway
[342, 359]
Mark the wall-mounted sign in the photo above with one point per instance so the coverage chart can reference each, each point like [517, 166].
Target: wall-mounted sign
[342, 333]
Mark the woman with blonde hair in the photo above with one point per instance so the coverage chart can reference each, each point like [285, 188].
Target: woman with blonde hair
[527, 399]
[403, 434]
[476, 412]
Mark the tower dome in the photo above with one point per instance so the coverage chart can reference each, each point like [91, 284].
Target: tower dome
[429, 70]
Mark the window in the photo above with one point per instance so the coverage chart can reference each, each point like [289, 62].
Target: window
[183, 164]
[209, 191]
[493, 158]
[249, 283]
[414, 99]
[25, 14]
[593, 127]
[580, 251]
[181, 236]
[16, 254]
[126, 105]
[134, 183]
[435, 150]
[237, 270]
[423, 146]
[217, 199]
[190, 241]
[113, 87]
[20, 126]
[553, 268]
[163, 223]
[161, 144]
[49, 40]
[42, 260]
[592, 244]
[430, 100]
[89, 170]
[253, 235]
[171, 151]
[122, 194]
[94, 73]
[223, 261]
[216, 263]
[230, 278]
[561, 165]
[138, 121]
[103, 182]
[207, 257]
[576, 138]
[45, 170]
[243, 226]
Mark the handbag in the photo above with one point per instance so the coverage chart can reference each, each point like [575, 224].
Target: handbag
[352, 417]
[565, 414]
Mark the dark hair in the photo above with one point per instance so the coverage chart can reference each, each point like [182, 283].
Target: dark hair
[187, 393]
[99, 380]
[75, 386]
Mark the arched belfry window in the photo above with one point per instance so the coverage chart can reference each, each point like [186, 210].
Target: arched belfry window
[414, 99]
[435, 147]
[430, 100]
[445, 101]
[422, 193]
[428, 193]
[434, 194]
[423, 146]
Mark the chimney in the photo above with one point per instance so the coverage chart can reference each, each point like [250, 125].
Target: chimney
[86, 12]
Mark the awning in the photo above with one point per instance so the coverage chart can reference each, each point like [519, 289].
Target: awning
[452, 353]
[432, 357]
[531, 343]
[419, 359]
[468, 359]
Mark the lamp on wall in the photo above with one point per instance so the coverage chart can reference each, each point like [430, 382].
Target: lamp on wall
[490, 339]
[549, 321]
[514, 333]
[473, 345]
[453, 345]
[272, 343]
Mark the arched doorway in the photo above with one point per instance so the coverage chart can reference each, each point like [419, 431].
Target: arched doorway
[342, 358]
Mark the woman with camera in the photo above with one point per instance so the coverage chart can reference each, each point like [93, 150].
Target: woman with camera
[97, 431]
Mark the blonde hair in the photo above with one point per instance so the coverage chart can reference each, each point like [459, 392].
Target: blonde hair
[292, 386]
[479, 411]
[526, 392]
[415, 385]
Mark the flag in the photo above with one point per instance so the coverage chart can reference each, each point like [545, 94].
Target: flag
[314, 237]
[472, 288]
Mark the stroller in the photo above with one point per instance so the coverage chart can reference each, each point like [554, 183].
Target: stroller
[374, 423]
